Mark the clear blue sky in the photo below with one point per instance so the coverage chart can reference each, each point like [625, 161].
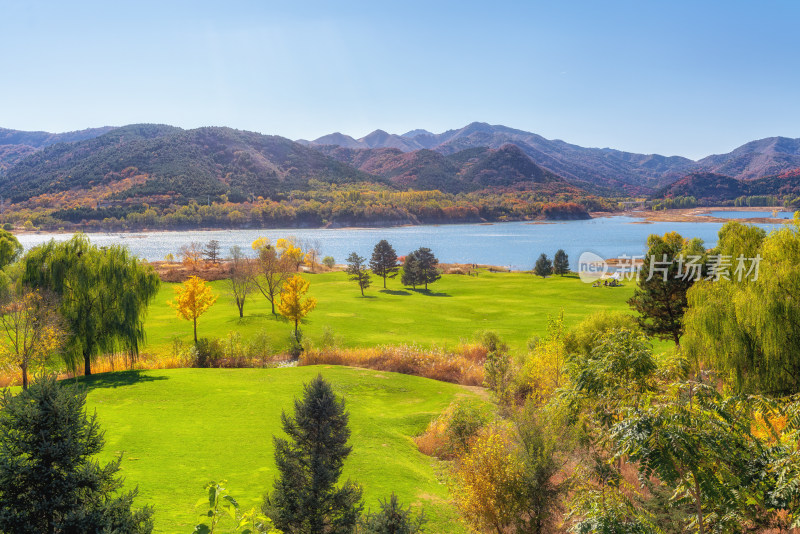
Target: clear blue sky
[679, 77]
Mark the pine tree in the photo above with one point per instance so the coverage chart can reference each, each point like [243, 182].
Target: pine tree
[411, 274]
[384, 261]
[306, 499]
[543, 266]
[392, 519]
[358, 272]
[428, 266]
[48, 481]
[561, 263]
[660, 297]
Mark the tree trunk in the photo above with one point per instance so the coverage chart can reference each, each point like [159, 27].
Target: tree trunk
[699, 505]
[24, 368]
[361, 286]
[272, 301]
[384, 281]
[195, 330]
[87, 363]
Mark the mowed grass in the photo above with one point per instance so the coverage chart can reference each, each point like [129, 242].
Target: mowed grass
[181, 428]
[516, 305]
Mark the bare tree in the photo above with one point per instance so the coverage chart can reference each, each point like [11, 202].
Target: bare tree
[241, 280]
[312, 246]
[192, 255]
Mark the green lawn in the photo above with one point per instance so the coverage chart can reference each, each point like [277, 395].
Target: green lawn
[516, 305]
[182, 428]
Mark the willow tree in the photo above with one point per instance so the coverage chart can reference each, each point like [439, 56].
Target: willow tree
[103, 294]
[750, 328]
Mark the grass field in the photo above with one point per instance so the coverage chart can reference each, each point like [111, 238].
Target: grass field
[182, 428]
[516, 305]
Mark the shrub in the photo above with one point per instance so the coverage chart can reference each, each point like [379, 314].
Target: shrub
[450, 434]
[208, 353]
[392, 519]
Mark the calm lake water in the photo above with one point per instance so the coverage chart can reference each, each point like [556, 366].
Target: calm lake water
[515, 244]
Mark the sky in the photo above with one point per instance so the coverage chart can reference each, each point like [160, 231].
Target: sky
[687, 78]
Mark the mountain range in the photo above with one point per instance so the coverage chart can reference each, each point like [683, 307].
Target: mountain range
[171, 164]
[588, 167]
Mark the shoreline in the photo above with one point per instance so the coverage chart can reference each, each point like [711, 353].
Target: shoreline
[698, 215]
[693, 215]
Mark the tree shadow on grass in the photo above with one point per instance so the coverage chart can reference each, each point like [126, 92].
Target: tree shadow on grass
[429, 293]
[368, 297]
[114, 379]
[394, 292]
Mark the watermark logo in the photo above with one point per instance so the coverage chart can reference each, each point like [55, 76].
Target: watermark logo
[591, 267]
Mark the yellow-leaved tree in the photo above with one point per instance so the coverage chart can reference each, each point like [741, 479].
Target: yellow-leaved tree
[293, 305]
[32, 329]
[487, 480]
[192, 299]
[291, 251]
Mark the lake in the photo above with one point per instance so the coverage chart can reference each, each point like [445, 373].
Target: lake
[515, 245]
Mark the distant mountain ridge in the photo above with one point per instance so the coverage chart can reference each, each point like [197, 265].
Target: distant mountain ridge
[160, 164]
[709, 187]
[16, 144]
[217, 159]
[604, 167]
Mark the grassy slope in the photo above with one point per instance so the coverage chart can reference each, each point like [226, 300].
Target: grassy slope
[182, 428]
[516, 305]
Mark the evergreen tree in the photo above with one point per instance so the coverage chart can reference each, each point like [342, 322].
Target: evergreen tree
[411, 274]
[305, 499]
[392, 519]
[48, 481]
[561, 263]
[428, 266]
[664, 279]
[384, 261]
[211, 251]
[358, 272]
[543, 266]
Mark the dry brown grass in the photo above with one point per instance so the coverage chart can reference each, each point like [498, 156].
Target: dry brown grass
[462, 366]
[175, 271]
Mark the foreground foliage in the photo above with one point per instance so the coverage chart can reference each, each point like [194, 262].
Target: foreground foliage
[310, 462]
[49, 482]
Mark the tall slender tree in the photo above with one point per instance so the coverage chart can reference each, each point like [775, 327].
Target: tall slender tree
[103, 295]
[240, 278]
[560, 263]
[192, 299]
[543, 267]
[358, 271]
[306, 498]
[294, 305]
[384, 261]
[411, 274]
[428, 266]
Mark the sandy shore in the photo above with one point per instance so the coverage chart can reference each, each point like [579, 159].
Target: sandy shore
[695, 215]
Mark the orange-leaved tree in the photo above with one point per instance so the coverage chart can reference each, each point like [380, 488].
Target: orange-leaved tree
[192, 299]
[293, 305]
